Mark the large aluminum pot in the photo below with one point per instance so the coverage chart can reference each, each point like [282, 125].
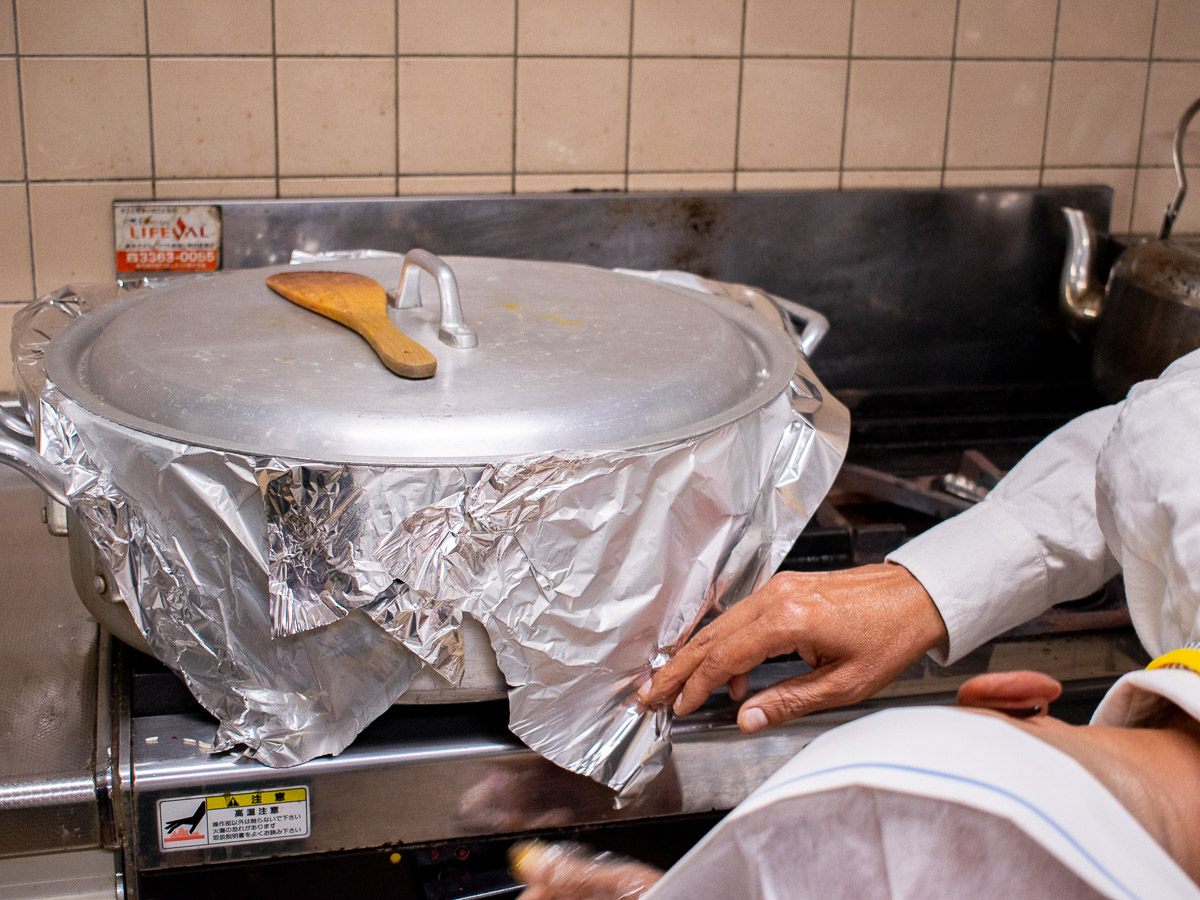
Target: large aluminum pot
[250, 489]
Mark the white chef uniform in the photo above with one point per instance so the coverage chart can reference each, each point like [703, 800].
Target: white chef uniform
[1117, 489]
[942, 802]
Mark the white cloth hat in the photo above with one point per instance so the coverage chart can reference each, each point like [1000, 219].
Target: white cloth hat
[1142, 698]
[928, 802]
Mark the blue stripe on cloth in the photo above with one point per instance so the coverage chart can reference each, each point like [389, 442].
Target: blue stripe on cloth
[977, 783]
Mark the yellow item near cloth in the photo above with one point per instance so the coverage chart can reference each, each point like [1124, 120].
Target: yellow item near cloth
[1183, 658]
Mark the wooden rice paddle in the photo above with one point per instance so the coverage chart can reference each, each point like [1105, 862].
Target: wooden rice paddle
[359, 303]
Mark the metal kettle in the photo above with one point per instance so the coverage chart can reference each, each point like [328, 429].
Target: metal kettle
[1148, 315]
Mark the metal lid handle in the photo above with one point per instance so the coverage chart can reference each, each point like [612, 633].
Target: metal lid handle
[453, 330]
[1180, 176]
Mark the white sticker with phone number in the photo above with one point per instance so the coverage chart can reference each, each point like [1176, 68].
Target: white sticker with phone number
[217, 820]
[154, 237]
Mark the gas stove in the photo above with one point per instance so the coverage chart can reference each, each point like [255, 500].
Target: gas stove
[946, 346]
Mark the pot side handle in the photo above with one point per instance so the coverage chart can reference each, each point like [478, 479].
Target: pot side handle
[19, 452]
[14, 423]
[816, 326]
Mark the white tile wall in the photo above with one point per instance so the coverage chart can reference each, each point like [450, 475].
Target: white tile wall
[71, 225]
[68, 26]
[336, 116]
[554, 28]
[213, 117]
[994, 98]
[687, 27]
[335, 27]
[551, 136]
[86, 118]
[797, 27]
[792, 113]
[903, 27]
[1006, 28]
[896, 113]
[227, 27]
[174, 99]
[1095, 113]
[683, 114]
[456, 115]
[1105, 28]
[16, 273]
[12, 154]
[457, 26]
[8, 38]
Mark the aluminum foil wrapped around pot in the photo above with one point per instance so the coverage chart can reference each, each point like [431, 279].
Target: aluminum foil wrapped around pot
[300, 574]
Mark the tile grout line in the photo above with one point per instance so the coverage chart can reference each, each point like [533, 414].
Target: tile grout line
[396, 87]
[1049, 94]
[275, 101]
[660, 56]
[515, 50]
[629, 94]
[24, 154]
[950, 94]
[1137, 172]
[846, 101]
[542, 172]
[149, 99]
[737, 120]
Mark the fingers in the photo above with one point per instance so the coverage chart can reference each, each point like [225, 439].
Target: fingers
[824, 688]
[568, 871]
[739, 687]
[733, 655]
[1021, 694]
[667, 681]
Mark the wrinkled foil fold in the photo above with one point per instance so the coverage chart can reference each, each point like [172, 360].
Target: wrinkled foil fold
[299, 600]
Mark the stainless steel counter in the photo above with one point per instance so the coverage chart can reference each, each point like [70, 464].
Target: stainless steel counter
[48, 674]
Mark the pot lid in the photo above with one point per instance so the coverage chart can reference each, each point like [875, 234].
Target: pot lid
[569, 357]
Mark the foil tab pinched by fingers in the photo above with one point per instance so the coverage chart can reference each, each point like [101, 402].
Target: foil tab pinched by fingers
[298, 600]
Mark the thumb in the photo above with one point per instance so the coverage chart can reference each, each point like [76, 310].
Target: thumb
[822, 688]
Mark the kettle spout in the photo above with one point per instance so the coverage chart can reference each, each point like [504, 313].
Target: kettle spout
[1080, 293]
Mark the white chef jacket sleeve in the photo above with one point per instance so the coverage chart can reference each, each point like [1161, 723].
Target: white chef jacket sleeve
[1035, 541]
[1148, 504]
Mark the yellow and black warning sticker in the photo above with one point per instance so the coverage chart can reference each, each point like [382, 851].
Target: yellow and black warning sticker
[249, 817]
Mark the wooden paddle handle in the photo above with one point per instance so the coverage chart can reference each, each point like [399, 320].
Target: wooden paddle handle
[359, 303]
[395, 349]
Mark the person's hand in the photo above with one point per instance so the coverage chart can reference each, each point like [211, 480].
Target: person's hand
[857, 628]
[567, 871]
